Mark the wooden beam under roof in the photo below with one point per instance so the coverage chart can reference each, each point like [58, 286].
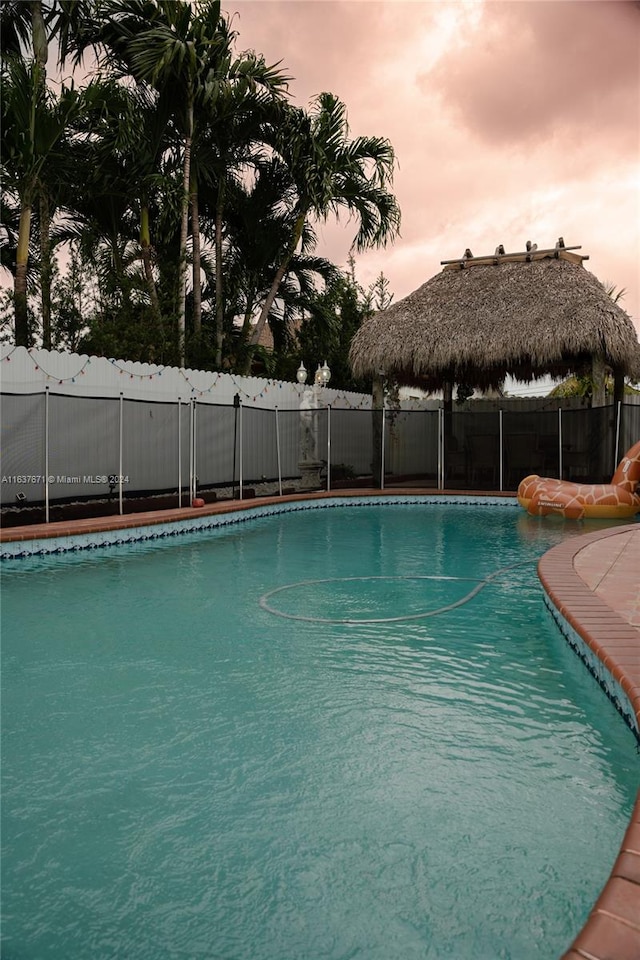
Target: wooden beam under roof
[523, 256]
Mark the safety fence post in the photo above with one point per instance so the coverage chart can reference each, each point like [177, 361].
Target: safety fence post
[179, 452]
[46, 454]
[440, 448]
[278, 454]
[240, 462]
[501, 453]
[192, 448]
[329, 448]
[120, 464]
[383, 450]
[559, 443]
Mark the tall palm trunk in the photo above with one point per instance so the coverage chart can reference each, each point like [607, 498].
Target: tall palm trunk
[20, 282]
[45, 267]
[40, 52]
[145, 253]
[119, 273]
[39, 35]
[184, 228]
[246, 322]
[275, 286]
[195, 240]
[219, 280]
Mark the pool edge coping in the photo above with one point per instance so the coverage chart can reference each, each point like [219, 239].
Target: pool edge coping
[54, 537]
[612, 930]
[69, 528]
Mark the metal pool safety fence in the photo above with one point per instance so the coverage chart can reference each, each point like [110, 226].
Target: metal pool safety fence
[60, 449]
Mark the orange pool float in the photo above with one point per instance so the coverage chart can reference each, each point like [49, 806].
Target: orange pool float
[616, 500]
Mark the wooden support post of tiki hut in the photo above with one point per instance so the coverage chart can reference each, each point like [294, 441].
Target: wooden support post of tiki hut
[598, 378]
[377, 406]
[618, 386]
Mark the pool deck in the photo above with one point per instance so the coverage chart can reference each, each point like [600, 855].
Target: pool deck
[593, 580]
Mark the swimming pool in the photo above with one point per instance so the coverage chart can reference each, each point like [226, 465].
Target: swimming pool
[328, 734]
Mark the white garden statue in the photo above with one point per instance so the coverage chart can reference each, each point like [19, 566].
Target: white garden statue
[310, 463]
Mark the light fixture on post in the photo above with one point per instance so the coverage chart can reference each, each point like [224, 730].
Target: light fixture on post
[323, 375]
[309, 463]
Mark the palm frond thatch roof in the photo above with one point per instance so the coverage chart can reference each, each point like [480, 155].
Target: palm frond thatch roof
[524, 315]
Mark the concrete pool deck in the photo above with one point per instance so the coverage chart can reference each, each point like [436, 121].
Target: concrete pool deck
[593, 581]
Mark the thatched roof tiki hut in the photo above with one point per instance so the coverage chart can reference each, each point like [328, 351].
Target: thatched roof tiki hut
[526, 314]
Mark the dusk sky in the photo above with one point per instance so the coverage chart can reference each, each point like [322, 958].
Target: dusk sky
[512, 120]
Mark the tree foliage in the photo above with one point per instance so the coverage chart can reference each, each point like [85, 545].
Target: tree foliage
[165, 210]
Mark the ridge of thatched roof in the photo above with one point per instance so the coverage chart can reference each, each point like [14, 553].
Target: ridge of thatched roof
[524, 317]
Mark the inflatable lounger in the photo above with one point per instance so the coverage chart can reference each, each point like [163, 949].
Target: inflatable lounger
[618, 499]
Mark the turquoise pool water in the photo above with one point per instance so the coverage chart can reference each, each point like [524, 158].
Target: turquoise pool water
[293, 739]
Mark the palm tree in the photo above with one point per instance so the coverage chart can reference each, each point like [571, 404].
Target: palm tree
[24, 26]
[116, 199]
[34, 24]
[259, 222]
[331, 172]
[129, 138]
[183, 51]
[34, 124]
[230, 150]
[616, 293]
[9, 227]
[22, 23]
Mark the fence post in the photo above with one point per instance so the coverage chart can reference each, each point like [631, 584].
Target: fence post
[46, 454]
[560, 443]
[120, 471]
[179, 452]
[440, 449]
[329, 448]
[191, 447]
[501, 432]
[377, 405]
[240, 462]
[278, 454]
[382, 452]
[236, 407]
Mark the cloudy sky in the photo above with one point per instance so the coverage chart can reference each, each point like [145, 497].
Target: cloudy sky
[512, 120]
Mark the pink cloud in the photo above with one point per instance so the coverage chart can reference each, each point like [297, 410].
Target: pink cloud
[312, 39]
[534, 70]
[510, 121]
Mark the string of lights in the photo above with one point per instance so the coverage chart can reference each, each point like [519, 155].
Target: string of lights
[197, 391]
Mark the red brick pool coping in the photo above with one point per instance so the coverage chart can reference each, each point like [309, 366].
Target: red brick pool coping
[577, 575]
[601, 604]
[68, 528]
